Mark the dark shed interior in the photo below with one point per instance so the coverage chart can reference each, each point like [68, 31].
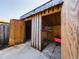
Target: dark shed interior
[51, 27]
[27, 30]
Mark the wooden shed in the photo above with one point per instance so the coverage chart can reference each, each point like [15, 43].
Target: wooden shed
[45, 22]
[62, 16]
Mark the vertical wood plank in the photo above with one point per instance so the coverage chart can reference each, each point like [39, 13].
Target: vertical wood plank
[70, 29]
[32, 32]
[11, 34]
[35, 30]
[37, 35]
[40, 27]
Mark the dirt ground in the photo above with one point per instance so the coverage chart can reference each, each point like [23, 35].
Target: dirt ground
[25, 51]
[52, 51]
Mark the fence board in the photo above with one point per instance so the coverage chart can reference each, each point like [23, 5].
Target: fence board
[17, 28]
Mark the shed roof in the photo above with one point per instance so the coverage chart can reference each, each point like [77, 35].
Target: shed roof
[1, 22]
[41, 8]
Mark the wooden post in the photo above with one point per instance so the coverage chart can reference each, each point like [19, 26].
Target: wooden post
[32, 36]
[70, 29]
[33, 31]
[40, 27]
[37, 32]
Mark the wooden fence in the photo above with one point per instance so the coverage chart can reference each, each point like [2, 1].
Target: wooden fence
[16, 32]
[4, 33]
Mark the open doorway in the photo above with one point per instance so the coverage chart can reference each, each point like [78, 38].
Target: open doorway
[27, 30]
[51, 31]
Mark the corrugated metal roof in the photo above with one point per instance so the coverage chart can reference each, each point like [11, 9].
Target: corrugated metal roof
[42, 8]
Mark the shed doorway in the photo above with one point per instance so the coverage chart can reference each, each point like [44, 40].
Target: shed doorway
[51, 35]
[51, 31]
[51, 28]
[28, 30]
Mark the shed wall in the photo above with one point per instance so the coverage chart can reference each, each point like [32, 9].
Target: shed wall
[4, 33]
[70, 29]
[36, 31]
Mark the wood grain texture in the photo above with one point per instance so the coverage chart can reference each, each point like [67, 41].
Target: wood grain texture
[17, 28]
[11, 34]
[36, 32]
[52, 10]
[33, 32]
[40, 31]
[70, 29]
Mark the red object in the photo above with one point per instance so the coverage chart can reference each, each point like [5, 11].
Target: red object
[56, 40]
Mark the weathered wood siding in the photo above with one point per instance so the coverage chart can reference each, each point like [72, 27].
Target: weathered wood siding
[70, 29]
[17, 28]
[4, 33]
[36, 31]
[36, 40]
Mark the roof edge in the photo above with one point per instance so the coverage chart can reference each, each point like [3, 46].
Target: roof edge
[41, 8]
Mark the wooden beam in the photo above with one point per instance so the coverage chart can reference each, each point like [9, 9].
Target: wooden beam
[52, 10]
[28, 19]
[70, 29]
[1, 22]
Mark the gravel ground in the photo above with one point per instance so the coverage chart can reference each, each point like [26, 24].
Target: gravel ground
[52, 51]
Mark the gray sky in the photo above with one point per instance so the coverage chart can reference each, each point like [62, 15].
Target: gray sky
[15, 8]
